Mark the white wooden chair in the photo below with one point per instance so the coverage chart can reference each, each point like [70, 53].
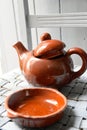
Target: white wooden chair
[65, 20]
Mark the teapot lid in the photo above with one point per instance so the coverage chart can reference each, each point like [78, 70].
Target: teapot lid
[49, 48]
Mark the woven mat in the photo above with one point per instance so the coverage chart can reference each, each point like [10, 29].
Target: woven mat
[75, 115]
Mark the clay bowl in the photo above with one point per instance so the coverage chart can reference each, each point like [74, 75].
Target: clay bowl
[35, 107]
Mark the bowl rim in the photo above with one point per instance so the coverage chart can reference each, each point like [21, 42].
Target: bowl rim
[14, 114]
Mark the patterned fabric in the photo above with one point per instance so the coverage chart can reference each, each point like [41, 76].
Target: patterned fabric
[75, 115]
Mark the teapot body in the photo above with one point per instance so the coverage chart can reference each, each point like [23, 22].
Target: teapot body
[49, 65]
[53, 73]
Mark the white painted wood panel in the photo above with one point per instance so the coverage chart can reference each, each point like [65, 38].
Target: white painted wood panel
[9, 36]
[69, 6]
[46, 7]
[75, 37]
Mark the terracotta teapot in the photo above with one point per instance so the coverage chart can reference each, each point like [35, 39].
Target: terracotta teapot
[49, 65]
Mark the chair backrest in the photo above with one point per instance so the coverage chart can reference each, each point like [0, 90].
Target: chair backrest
[64, 20]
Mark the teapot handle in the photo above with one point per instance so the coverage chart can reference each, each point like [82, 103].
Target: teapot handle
[83, 56]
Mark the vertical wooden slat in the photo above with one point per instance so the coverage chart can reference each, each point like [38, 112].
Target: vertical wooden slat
[60, 13]
[36, 29]
[20, 18]
[28, 30]
[33, 31]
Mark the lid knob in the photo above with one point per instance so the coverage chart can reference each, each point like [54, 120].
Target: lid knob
[45, 36]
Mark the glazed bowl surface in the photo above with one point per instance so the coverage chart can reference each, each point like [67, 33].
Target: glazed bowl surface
[35, 107]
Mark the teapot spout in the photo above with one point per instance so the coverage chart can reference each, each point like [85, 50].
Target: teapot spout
[20, 48]
[21, 51]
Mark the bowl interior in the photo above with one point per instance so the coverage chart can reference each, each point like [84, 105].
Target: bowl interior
[37, 102]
